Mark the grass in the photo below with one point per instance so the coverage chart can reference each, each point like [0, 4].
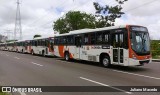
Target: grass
[156, 57]
[3, 93]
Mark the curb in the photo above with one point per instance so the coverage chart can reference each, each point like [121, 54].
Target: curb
[156, 60]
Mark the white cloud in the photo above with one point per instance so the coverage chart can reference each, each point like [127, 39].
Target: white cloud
[143, 12]
[38, 15]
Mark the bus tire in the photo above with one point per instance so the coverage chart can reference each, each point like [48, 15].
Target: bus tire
[43, 53]
[32, 52]
[66, 56]
[22, 51]
[105, 61]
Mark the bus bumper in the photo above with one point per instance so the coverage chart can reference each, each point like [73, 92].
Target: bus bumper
[133, 62]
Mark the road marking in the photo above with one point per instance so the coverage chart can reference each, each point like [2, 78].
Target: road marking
[7, 55]
[22, 93]
[137, 74]
[105, 85]
[16, 57]
[36, 64]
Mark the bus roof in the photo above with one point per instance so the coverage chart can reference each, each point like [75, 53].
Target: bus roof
[91, 30]
[38, 38]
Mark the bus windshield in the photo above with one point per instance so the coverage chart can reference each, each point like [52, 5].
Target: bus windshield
[140, 41]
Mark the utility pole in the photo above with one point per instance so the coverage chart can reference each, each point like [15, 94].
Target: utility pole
[18, 28]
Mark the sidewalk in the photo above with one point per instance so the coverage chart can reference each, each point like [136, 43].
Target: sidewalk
[156, 60]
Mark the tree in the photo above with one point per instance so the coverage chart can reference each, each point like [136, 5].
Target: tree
[106, 15]
[37, 35]
[74, 20]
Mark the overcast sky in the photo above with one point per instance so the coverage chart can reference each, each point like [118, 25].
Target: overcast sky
[38, 15]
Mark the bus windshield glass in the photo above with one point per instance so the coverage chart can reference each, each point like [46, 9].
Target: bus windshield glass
[140, 41]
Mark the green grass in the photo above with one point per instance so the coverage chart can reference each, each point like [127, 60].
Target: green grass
[156, 57]
[3, 93]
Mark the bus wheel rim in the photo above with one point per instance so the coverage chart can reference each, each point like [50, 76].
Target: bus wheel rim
[67, 57]
[105, 62]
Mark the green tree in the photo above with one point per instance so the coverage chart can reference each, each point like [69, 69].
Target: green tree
[74, 20]
[37, 35]
[155, 48]
[106, 15]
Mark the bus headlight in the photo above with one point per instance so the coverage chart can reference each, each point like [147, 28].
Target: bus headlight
[134, 57]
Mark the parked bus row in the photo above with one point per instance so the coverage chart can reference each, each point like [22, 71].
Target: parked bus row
[127, 45]
[39, 46]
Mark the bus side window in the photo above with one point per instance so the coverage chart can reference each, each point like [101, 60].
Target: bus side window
[86, 39]
[106, 37]
[93, 38]
[125, 39]
[78, 41]
[70, 40]
[35, 43]
[38, 42]
[115, 40]
[99, 38]
[64, 40]
[46, 42]
[121, 40]
[42, 43]
[55, 41]
[58, 40]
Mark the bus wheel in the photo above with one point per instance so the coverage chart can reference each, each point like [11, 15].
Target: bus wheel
[32, 52]
[106, 61]
[66, 56]
[43, 54]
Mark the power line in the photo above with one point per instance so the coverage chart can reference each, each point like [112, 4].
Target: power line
[65, 13]
[141, 5]
[37, 20]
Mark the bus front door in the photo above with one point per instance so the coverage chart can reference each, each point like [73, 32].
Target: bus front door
[78, 43]
[118, 51]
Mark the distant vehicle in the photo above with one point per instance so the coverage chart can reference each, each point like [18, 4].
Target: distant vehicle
[41, 46]
[11, 46]
[3, 46]
[21, 46]
[127, 45]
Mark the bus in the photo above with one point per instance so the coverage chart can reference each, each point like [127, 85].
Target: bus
[21, 46]
[2, 46]
[11, 46]
[41, 46]
[126, 45]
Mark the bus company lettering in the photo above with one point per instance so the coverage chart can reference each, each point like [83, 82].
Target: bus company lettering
[96, 47]
[84, 52]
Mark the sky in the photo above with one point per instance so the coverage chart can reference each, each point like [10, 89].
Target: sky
[37, 16]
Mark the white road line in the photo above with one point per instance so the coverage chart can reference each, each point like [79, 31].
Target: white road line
[137, 75]
[36, 64]
[22, 93]
[16, 57]
[105, 85]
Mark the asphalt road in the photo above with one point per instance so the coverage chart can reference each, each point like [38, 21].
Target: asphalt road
[26, 70]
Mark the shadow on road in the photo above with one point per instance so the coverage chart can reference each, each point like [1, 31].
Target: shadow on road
[113, 67]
